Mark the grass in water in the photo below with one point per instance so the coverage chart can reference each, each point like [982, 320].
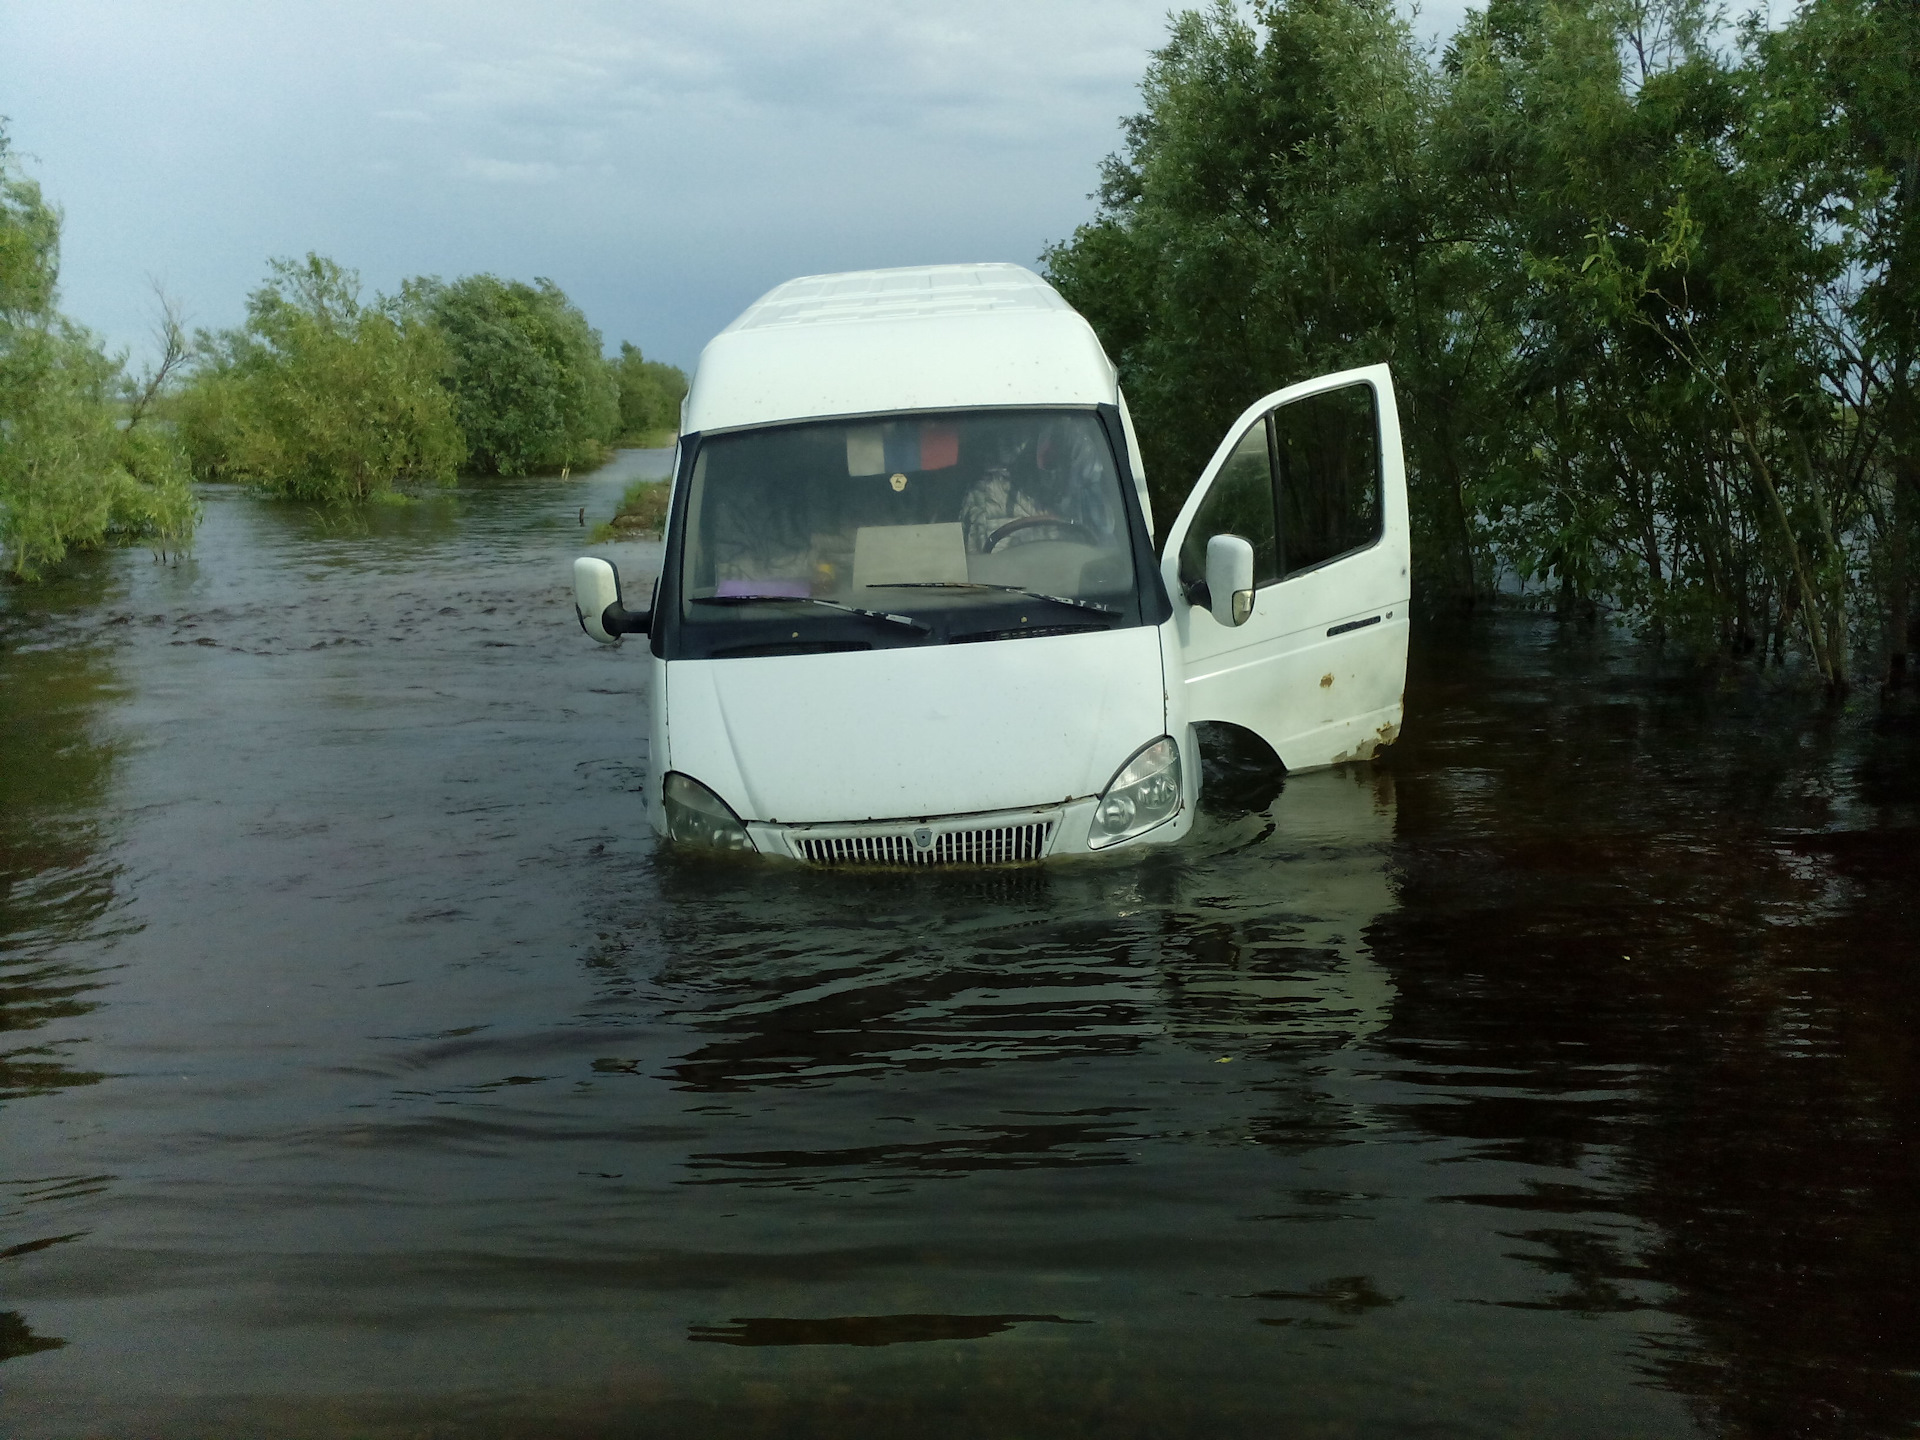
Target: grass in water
[642, 514]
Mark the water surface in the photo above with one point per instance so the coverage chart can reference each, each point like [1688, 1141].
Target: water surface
[367, 1069]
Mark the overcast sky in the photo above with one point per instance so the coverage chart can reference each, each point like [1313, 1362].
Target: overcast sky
[664, 161]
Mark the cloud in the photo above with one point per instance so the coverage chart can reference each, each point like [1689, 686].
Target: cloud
[664, 160]
[617, 74]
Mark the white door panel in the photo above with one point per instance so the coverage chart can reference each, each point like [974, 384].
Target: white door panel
[1319, 667]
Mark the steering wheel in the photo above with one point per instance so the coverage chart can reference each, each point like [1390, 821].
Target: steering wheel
[1027, 522]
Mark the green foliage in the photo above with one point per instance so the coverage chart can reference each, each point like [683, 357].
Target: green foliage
[29, 244]
[650, 396]
[74, 473]
[208, 414]
[531, 391]
[1648, 289]
[319, 397]
[1267, 222]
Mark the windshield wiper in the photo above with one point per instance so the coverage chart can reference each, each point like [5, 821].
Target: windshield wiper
[1026, 632]
[1008, 589]
[906, 620]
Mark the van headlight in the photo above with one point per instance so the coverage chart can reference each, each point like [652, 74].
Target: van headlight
[1144, 792]
[697, 816]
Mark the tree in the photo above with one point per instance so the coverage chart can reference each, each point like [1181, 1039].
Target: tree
[74, 473]
[650, 395]
[1842, 127]
[1648, 288]
[319, 397]
[530, 388]
[1271, 219]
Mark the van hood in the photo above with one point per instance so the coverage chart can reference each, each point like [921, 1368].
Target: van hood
[915, 732]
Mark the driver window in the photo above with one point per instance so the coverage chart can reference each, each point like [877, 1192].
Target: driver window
[1240, 502]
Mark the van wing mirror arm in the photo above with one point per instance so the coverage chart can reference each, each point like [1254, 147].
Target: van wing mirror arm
[616, 619]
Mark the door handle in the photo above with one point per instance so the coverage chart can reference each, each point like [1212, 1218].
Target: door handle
[1354, 625]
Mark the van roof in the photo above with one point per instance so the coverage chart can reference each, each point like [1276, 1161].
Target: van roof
[930, 337]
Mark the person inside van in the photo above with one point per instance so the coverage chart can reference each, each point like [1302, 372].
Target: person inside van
[1048, 482]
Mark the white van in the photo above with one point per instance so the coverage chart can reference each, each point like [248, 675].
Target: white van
[911, 612]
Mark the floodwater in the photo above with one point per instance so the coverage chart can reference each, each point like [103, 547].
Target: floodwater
[369, 1071]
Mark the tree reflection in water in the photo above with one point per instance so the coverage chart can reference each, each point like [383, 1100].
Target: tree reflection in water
[1670, 949]
[56, 884]
[57, 887]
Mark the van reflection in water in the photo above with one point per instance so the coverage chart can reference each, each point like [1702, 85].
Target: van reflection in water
[1252, 934]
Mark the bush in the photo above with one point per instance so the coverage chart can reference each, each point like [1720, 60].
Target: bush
[650, 396]
[530, 389]
[318, 397]
[206, 417]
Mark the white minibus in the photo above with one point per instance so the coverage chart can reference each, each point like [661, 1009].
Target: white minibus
[912, 607]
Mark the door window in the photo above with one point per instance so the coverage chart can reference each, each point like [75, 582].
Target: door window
[1240, 502]
[1302, 486]
[1328, 452]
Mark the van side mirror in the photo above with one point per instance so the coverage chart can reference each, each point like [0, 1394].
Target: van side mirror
[596, 600]
[1230, 579]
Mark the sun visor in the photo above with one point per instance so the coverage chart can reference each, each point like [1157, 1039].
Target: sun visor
[867, 451]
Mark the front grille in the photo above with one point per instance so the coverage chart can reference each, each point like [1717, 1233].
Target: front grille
[999, 845]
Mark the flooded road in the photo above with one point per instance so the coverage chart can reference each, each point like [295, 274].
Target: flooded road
[368, 1071]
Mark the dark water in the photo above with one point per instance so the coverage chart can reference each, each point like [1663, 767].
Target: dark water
[368, 1072]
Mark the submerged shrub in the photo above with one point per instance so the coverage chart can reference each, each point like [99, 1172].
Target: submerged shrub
[319, 397]
[529, 386]
[650, 396]
[75, 471]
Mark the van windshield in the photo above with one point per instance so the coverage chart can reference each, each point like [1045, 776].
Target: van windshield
[913, 529]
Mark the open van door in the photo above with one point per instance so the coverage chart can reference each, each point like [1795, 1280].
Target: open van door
[1313, 478]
